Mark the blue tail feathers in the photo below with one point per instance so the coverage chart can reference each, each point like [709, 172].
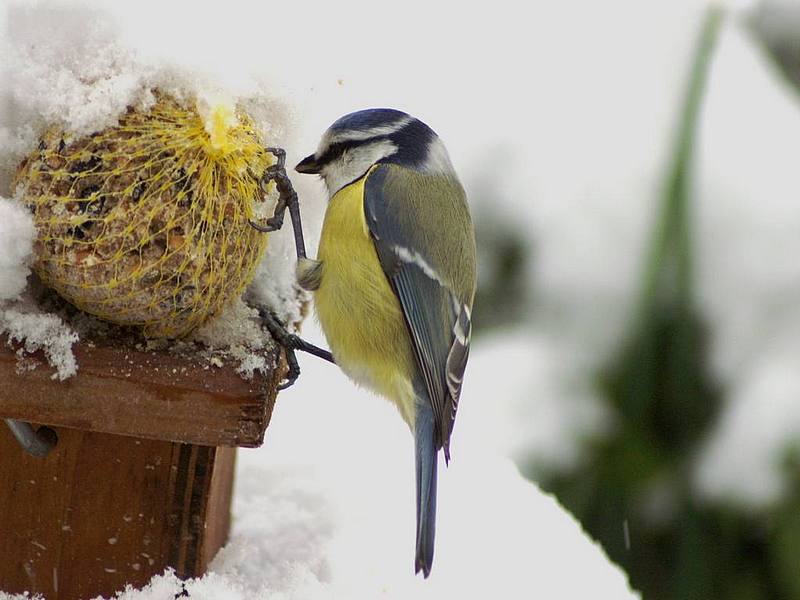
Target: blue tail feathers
[426, 455]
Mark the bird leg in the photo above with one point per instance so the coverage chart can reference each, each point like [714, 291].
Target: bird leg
[287, 198]
[290, 342]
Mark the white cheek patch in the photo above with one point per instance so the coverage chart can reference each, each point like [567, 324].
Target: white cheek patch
[354, 163]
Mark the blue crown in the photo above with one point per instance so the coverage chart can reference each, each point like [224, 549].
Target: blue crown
[368, 118]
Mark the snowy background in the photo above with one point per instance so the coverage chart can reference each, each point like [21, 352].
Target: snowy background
[560, 118]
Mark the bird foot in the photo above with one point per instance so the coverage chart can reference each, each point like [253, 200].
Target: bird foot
[287, 198]
[290, 344]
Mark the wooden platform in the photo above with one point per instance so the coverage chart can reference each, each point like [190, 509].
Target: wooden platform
[141, 477]
[152, 394]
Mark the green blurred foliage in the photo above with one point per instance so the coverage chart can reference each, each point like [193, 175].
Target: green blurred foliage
[774, 24]
[503, 296]
[634, 493]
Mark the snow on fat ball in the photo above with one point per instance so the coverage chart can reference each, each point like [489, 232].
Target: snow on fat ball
[147, 222]
[17, 234]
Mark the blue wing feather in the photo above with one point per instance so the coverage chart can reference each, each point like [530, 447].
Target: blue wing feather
[437, 321]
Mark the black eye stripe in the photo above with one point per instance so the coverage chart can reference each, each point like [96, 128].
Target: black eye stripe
[336, 149]
[411, 140]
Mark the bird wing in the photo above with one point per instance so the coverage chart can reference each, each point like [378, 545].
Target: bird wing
[431, 272]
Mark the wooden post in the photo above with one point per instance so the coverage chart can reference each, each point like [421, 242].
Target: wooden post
[141, 477]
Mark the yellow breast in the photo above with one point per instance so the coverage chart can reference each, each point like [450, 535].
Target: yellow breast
[359, 314]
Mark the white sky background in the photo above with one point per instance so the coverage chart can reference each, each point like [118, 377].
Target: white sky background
[569, 108]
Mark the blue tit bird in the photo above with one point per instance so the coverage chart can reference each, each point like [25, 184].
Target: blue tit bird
[394, 279]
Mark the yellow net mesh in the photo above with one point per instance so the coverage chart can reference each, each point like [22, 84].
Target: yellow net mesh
[146, 223]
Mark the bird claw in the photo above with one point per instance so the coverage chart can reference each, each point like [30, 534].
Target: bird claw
[293, 373]
[273, 223]
[290, 344]
[287, 198]
[279, 154]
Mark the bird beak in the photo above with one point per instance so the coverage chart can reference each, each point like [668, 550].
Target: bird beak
[308, 165]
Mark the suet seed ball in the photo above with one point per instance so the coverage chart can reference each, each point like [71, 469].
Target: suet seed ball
[146, 223]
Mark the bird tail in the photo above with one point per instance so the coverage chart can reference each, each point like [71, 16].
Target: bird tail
[427, 455]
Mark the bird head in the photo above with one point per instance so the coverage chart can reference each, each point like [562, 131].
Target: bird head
[361, 139]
